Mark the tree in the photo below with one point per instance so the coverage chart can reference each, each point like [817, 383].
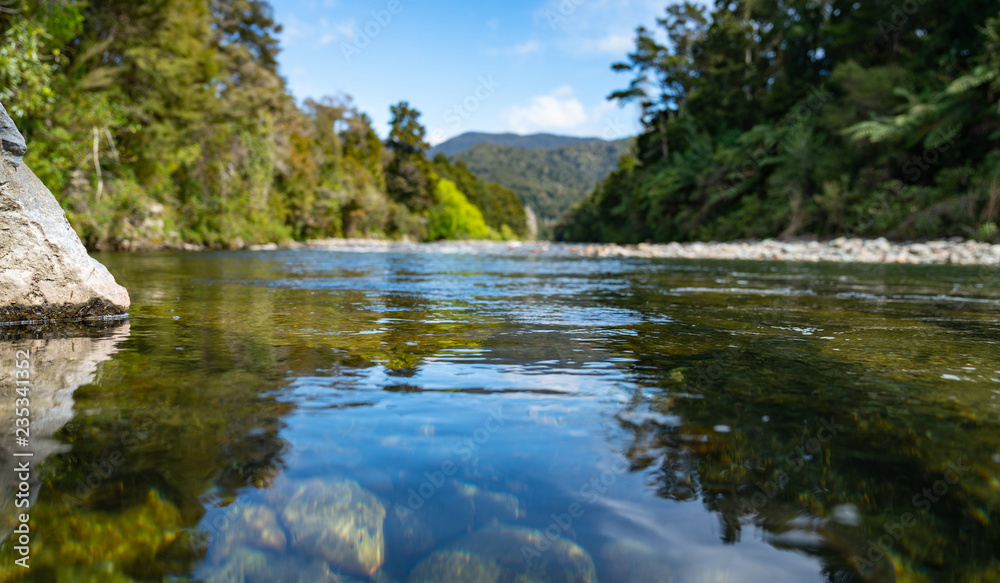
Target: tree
[173, 125]
[32, 36]
[454, 217]
[501, 208]
[407, 139]
[409, 179]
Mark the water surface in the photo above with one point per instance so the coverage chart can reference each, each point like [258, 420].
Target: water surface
[674, 421]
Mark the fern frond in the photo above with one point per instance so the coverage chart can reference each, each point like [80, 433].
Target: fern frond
[907, 95]
[980, 76]
[873, 131]
[942, 134]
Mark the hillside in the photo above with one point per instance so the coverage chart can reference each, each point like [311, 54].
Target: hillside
[464, 142]
[549, 181]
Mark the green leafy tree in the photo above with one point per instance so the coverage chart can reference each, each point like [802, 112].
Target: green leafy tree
[34, 32]
[501, 208]
[454, 217]
[408, 175]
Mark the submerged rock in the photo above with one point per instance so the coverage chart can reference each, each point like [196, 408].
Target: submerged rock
[337, 521]
[45, 271]
[507, 555]
[492, 506]
[457, 566]
[253, 566]
[298, 532]
[254, 525]
[416, 526]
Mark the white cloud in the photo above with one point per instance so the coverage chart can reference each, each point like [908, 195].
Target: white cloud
[557, 111]
[522, 50]
[330, 33]
[322, 32]
[561, 112]
[292, 28]
[590, 27]
[527, 48]
[616, 44]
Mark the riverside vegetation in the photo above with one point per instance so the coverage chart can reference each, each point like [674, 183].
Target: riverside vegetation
[172, 126]
[806, 118]
[166, 123]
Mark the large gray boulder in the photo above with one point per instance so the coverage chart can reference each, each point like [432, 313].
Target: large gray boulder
[502, 554]
[45, 271]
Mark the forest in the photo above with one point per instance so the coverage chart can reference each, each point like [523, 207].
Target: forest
[806, 119]
[166, 122]
[549, 180]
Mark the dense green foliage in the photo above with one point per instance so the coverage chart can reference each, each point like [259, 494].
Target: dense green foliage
[549, 181]
[502, 210]
[454, 217]
[172, 125]
[807, 118]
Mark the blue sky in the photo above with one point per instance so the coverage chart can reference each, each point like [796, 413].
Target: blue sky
[523, 66]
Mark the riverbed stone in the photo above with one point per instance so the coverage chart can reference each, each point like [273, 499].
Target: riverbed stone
[45, 271]
[335, 520]
[247, 565]
[248, 525]
[415, 526]
[507, 555]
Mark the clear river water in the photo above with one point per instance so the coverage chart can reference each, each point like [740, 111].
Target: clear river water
[407, 415]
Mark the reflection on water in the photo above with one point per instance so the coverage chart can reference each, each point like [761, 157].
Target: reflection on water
[409, 416]
[62, 358]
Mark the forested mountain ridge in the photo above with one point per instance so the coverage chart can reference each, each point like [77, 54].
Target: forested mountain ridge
[163, 123]
[808, 118]
[543, 141]
[549, 181]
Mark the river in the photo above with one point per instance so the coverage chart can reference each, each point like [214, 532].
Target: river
[414, 415]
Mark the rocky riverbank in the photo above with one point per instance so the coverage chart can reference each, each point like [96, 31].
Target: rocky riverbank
[842, 250]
